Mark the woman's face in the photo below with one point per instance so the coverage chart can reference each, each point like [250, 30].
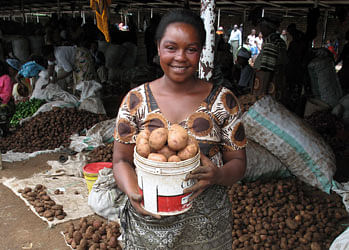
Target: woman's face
[179, 51]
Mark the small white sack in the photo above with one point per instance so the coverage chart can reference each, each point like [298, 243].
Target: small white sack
[105, 198]
[341, 242]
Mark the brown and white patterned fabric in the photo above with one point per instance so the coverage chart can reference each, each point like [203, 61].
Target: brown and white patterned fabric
[217, 126]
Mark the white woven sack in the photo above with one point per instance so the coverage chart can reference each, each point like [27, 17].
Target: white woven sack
[262, 164]
[292, 141]
[341, 242]
[21, 48]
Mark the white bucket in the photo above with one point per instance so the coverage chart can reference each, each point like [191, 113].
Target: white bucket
[162, 184]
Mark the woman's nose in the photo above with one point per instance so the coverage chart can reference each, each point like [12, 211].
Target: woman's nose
[180, 55]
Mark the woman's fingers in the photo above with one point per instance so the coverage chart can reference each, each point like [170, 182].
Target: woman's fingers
[136, 200]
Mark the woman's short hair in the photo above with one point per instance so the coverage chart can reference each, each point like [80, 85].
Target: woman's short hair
[181, 16]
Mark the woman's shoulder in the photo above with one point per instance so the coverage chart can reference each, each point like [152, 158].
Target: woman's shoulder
[5, 77]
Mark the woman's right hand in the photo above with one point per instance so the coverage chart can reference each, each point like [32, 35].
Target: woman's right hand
[136, 202]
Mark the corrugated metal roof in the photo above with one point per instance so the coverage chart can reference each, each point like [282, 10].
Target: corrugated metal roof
[294, 7]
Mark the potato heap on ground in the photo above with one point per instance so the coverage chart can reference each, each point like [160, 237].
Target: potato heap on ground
[173, 145]
[102, 153]
[93, 234]
[49, 130]
[42, 202]
[284, 214]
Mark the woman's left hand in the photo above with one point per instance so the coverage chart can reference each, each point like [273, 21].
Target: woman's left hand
[206, 175]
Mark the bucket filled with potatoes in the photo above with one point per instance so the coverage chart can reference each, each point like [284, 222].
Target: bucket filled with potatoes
[163, 158]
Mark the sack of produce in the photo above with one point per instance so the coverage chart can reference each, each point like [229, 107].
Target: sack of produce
[21, 48]
[324, 80]
[261, 164]
[105, 198]
[292, 141]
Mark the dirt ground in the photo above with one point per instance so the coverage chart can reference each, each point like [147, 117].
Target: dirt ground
[20, 228]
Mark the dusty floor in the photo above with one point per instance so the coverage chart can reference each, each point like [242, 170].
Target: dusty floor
[20, 228]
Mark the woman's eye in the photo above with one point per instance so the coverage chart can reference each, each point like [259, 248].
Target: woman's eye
[170, 48]
[192, 50]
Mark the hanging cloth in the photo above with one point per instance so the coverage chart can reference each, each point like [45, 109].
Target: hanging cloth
[101, 7]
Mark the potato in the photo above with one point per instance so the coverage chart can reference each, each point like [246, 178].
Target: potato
[96, 224]
[174, 158]
[177, 137]
[77, 236]
[188, 152]
[112, 242]
[144, 134]
[143, 149]
[157, 157]
[158, 138]
[166, 151]
[48, 213]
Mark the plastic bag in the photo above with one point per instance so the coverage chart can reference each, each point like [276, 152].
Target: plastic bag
[105, 198]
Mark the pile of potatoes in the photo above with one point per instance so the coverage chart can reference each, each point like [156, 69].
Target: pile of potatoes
[93, 234]
[49, 130]
[173, 145]
[42, 202]
[102, 153]
[284, 214]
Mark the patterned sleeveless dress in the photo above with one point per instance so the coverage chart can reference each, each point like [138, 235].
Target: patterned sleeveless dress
[217, 127]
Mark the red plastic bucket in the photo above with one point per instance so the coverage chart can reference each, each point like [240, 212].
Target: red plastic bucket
[91, 172]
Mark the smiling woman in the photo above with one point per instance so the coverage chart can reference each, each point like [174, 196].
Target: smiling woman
[209, 113]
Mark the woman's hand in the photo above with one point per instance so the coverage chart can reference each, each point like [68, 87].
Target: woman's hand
[136, 202]
[206, 175]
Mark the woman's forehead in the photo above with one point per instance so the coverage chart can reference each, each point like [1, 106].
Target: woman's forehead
[183, 29]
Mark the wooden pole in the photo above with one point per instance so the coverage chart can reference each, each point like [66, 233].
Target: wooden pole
[208, 15]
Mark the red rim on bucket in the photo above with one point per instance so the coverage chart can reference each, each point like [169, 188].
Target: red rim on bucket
[93, 168]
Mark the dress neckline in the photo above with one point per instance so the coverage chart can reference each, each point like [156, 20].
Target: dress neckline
[154, 105]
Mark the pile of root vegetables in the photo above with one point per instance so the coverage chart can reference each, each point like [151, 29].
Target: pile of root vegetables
[102, 153]
[49, 130]
[284, 214]
[43, 203]
[93, 234]
[329, 127]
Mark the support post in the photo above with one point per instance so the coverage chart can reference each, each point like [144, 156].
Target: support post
[325, 27]
[208, 15]
[219, 18]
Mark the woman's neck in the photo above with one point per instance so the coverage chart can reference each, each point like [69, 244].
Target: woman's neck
[179, 88]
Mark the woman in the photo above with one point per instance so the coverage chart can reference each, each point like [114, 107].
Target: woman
[210, 114]
[7, 106]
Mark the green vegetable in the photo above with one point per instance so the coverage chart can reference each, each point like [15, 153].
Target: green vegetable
[25, 109]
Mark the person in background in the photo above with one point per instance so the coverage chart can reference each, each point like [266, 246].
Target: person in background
[99, 60]
[7, 105]
[259, 42]
[343, 74]
[149, 39]
[283, 36]
[251, 41]
[209, 113]
[63, 57]
[235, 40]
[13, 66]
[270, 63]
[246, 80]
[299, 55]
[331, 48]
